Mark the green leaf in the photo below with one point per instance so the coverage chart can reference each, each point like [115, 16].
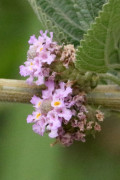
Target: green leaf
[68, 19]
[100, 49]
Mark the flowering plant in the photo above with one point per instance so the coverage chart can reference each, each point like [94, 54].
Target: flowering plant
[61, 110]
[70, 69]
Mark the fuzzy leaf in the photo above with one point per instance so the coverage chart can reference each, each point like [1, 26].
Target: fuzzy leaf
[100, 49]
[68, 19]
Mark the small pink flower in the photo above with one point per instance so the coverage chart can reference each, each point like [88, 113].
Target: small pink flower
[53, 133]
[36, 101]
[39, 127]
[32, 39]
[97, 127]
[99, 115]
[89, 125]
[47, 94]
[52, 115]
[66, 139]
[79, 136]
[81, 126]
[75, 123]
[57, 103]
[81, 116]
[63, 91]
[64, 113]
[47, 57]
[40, 80]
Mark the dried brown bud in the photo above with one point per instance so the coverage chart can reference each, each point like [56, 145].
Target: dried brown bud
[68, 55]
[97, 127]
[99, 115]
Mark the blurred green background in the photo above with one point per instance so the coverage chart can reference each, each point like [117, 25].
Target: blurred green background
[25, 155]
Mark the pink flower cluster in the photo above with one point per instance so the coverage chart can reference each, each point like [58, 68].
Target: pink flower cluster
[51, 110]
[59, 111]
[40, 56]
[62, 114]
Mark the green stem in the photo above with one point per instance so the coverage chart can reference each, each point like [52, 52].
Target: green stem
[20, 92]
[106, 96]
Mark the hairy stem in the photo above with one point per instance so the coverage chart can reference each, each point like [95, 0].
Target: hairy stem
[19, 91]
[105, 95]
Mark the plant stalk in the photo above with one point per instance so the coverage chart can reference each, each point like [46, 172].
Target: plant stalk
[19, 91]
[106, 96]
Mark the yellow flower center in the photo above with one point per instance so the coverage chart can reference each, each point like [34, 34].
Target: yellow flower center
[39, 104]
[57, 103]
[31, 64]
[41, 49]
[38, 115]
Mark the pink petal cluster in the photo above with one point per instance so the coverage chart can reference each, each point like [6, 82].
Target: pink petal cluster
[40, 55]
[62, 114]
[60, 111]
[51, 110]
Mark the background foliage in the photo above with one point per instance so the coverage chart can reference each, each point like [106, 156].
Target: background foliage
[69, 20]
[100, 49]
[23, 154]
